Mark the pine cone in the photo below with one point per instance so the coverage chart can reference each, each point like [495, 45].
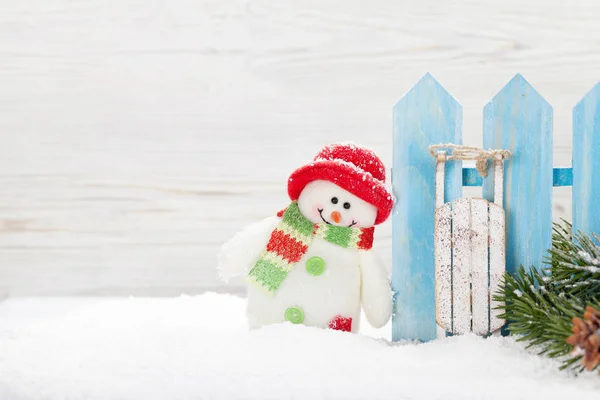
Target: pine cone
[586, 337]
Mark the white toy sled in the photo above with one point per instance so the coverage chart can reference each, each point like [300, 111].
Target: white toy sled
[469, 248]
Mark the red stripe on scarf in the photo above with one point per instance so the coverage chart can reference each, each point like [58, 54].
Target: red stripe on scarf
[366, 238]
[286, 246]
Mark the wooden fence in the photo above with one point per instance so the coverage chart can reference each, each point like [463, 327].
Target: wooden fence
[519, 119]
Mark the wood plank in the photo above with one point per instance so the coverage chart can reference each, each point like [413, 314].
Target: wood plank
[497, 261]
[499, 182]
[461, 266]
[442, 244]
[440, 178]
[520, 120]
[471, 177]
[479, 265]
[560, 177]
[426, 115]
[586, 163]
[147, 112]
[443, 266]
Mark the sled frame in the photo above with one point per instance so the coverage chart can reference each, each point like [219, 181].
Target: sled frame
[469, 253]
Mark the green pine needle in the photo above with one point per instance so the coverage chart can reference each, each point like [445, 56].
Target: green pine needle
[541, 304]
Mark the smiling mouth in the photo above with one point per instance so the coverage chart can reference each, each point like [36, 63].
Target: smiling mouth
[329, 223]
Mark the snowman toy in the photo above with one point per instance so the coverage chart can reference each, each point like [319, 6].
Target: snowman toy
[313, 264]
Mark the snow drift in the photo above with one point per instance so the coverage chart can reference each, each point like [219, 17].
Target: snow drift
[200, 348]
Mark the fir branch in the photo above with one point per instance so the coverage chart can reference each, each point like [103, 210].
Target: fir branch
[575, 263]
[540, 305]
[541, 317]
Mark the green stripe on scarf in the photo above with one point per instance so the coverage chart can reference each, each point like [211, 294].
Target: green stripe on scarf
[269, 274]
[294, 218]
[297, 232]
[339, 235]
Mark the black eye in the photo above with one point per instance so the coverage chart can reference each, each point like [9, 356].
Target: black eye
[347, 206]
[334, 200]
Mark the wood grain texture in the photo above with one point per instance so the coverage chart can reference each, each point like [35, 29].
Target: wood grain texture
[426, 115]
[440, 179]
[442, 248]
[469, 265]
[136, 136]
[561, 176]
[497, 266]
[586, 163]
[520, 120]
[499, 182]
[461, 266]
[443, 268]
[480, 304]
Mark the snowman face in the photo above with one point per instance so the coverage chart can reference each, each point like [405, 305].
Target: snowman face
[325, 202]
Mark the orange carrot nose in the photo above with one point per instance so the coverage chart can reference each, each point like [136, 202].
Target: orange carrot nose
[336, 217]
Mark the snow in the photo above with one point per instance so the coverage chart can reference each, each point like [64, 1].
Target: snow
[588, 257]
[199, 348]
[590, 260]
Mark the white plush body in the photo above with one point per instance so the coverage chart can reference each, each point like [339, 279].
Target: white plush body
[351, 278]
[335, 292]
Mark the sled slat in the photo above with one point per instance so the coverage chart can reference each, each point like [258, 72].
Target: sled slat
[479, 265]
[461, 266]
[497, 260]
[443, 267]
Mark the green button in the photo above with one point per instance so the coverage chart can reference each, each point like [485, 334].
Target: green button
[294, 315]
[315, 266]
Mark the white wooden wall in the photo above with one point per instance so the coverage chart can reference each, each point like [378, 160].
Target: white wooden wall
[138, 135]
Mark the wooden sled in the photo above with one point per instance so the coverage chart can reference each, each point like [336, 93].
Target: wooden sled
[469, 247]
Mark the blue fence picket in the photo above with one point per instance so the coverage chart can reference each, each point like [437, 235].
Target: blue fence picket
[426, 115]
[586, 163]
[519, 119]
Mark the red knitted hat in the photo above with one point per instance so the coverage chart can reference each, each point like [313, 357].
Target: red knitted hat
[353, 168]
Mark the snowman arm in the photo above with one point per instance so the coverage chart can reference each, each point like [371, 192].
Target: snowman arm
[239, 254]
[376, 292]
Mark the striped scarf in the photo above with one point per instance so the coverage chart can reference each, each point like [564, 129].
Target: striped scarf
[290, 241]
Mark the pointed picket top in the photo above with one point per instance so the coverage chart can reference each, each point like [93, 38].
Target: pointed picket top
[427, 114]
[592, 94]
[519, 85]
[428, 87]
[586, 161]
[520, 94]
[519, 119]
